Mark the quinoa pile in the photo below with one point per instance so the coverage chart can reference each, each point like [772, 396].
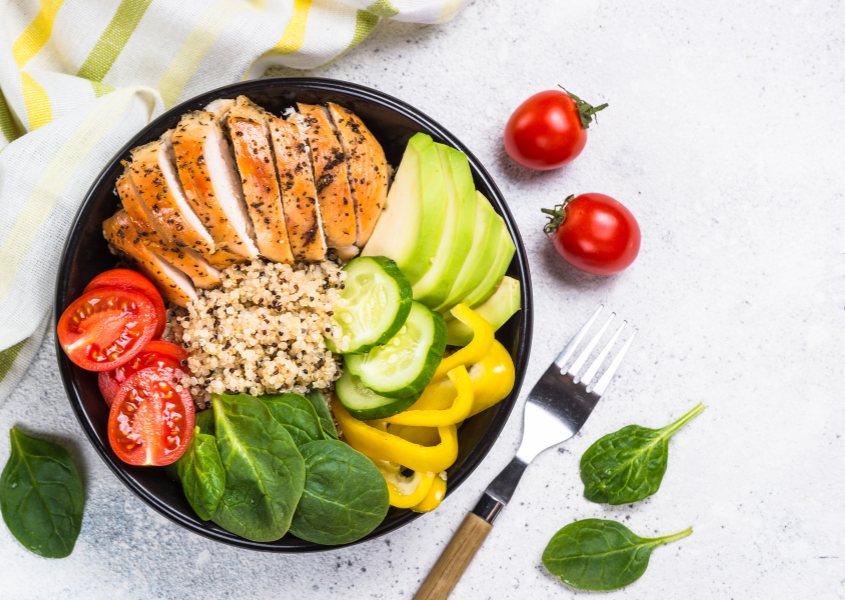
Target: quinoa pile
[262, 330]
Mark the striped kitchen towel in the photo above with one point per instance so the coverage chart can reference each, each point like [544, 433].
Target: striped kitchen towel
[78, 78]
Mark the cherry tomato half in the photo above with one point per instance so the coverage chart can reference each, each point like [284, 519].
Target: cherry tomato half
[548, 130]
[106, 328]
[156, 354]
[150, 421]
[594, 233]
[126, 279]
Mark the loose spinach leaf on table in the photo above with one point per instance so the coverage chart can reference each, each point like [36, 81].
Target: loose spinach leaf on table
[296, 414]
[41, 496]
[265, 473]
[202, 474]
[628, 465]
[321, 406]
[345, 495]
[599, 555]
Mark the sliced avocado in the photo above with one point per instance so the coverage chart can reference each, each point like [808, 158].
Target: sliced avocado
[481, 256]
[433, 222]
[504, 254]
[498, 308]
[456, 241]
[398, 229]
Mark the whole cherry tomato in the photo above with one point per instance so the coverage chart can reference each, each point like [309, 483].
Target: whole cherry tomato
[594, 233]
[549, 129]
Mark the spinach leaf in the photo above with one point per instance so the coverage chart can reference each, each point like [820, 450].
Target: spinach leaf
[296, 414]
[265, 473]
[41, 496]
[204, 419]
[202, 474]
[628, 465]
[599, 555]
[322, 407]
[345, 495]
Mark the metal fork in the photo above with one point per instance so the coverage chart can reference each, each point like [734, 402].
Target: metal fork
[555, 410]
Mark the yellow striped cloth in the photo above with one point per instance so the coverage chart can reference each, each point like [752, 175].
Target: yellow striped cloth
[78, 78]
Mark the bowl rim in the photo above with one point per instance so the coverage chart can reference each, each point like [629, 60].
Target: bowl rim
[525, 315]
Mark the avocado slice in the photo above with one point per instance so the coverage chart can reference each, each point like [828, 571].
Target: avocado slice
[398, 229]
[504, 254]
[482, 254]
[457, 238]
[498, 308]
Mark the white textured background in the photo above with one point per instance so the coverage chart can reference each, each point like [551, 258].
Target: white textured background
[724, 137]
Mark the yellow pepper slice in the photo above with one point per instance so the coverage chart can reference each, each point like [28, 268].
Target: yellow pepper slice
[434, 497]
[385, 446]
[482, 340]
[398, 486]
[492, 380]
[424, 436]
[460, 409]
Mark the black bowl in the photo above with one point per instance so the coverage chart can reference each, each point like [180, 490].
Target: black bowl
[86, 254]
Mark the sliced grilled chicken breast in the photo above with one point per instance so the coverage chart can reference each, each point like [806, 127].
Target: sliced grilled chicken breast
[299, 195]
[137, 211]
[126, 242]
[192, 264]
[254, 155]
[207, 170]
[159, 188]
[330, 176]
[367, 169]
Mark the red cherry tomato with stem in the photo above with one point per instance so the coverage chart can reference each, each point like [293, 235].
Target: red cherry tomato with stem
[150, 421]
[549, 129]
[594, 233]
[126, 279]
[107, 327]
[156, 354]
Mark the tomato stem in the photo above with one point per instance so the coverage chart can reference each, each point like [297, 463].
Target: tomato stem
[557, 215]
[585, 110]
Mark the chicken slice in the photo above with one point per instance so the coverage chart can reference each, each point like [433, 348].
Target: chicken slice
[137, 211]
[125, 241]
[367, 169]
[249, 133]
[159, 188]
[299, 196]
[330, 175]
[207, 171]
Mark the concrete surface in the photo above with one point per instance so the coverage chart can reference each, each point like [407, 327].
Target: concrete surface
[724, 137]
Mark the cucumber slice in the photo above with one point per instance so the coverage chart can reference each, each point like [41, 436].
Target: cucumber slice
[404, 365]
[379, 300]
[363, 403]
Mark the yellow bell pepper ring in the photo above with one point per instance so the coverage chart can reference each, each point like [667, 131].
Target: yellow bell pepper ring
[424, 436]
[482, 340]
[385, 446]
[459, 410]
[406, 492]
[433, 498]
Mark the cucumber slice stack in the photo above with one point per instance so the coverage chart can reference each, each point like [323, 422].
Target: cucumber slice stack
[364, 404]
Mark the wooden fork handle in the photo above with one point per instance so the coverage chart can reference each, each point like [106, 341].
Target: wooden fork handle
[455, 559]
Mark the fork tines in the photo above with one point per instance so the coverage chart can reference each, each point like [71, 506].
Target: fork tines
[593, 369]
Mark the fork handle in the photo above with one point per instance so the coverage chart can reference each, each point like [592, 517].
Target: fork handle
[449, 568]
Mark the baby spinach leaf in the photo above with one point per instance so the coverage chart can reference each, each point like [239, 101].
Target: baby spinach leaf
[296, 414]
[204, 419]
[322, 407]
[599, 555]
[41, 496]
[345, 495]
[202, 474]
[265, 473]
[628, 465]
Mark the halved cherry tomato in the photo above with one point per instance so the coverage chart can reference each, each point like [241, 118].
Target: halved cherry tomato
[106, 328]
[157, 354]
[150, 422]
[127, 279]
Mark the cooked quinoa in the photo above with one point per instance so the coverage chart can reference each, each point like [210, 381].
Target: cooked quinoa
[262, 330]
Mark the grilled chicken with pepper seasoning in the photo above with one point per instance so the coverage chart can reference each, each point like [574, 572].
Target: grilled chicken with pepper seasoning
[137, 211]
[159, 188]
[367, 169]
[126, 242]
[299, 195]
[330, 175]
[250, 138]
[210, 180]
